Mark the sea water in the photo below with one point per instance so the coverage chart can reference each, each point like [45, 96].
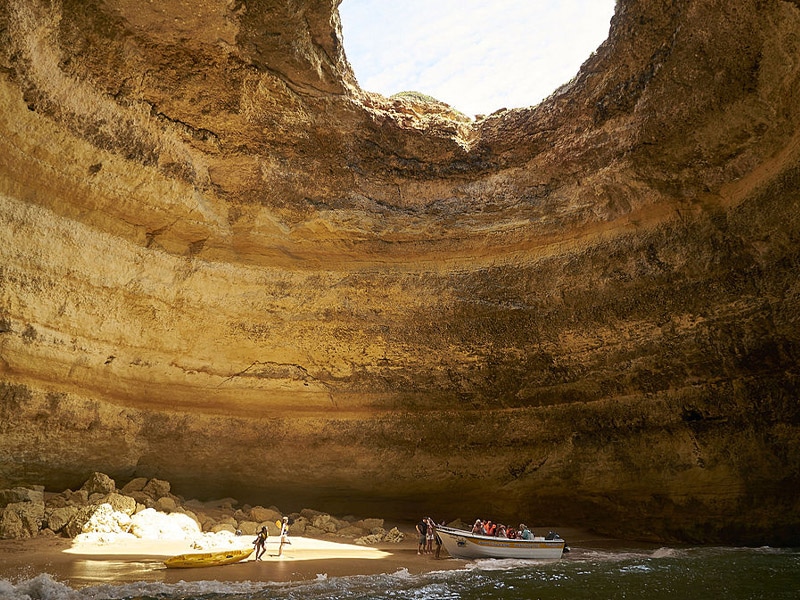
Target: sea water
[688, 573]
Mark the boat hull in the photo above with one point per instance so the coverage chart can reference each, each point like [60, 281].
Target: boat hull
[463, 544]
[207, 559]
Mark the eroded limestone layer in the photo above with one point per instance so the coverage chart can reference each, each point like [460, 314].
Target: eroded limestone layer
[225, 265]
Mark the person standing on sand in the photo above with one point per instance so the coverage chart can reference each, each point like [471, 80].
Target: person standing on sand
[430, 533]
[422, 532]
[261, 543]
[284, 534]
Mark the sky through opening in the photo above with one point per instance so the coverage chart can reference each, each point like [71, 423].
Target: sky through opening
[476, 55]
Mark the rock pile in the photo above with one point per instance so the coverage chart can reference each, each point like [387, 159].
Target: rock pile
[140, 507]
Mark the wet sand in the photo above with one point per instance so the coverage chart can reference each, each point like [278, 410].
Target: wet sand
[305, 559]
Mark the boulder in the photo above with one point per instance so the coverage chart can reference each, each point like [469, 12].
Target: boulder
[151, 524]
[96, 498]
[21, 494]
[370, 524]
[242, 515]
[192, 516]
[55, 500]
[249, 527]
[166, 504]
[206, 523]
[312, 531]
[299, 526]
[120, 503]
[57, 518]
[310, 513]
[369, 540]
[194, 504]
[142, 498]
[394, 536]
[134, 485]
[327, 523]
[99, 483]
[21, 520]
[182, 510]
[156, 488]
[229, 520]
[459, 524]
[261, 514]
[352, 531]
[76, 498]
[75, 524]
[223, 527]
[105, 519]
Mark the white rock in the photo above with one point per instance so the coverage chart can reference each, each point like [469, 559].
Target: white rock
[107, 520]
[152, 525]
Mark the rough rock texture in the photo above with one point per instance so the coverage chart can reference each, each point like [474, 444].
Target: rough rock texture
[225, 265]
[29, 512]
[99, 483]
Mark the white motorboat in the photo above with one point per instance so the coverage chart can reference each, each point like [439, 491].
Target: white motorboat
[464, 544]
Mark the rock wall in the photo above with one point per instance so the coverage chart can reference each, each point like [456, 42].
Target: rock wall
[225, 265]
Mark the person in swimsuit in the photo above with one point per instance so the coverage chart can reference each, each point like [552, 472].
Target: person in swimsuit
[284, 534]
[430, 534]
[261, 543]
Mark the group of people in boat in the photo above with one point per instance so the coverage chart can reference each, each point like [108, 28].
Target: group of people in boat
[500, 530]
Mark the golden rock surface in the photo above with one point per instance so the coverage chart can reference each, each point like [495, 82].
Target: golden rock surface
[225, 265]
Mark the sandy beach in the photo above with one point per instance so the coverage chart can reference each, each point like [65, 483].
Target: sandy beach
[80, 565]
[84, 564]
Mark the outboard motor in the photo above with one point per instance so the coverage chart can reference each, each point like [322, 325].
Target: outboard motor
[552, 535]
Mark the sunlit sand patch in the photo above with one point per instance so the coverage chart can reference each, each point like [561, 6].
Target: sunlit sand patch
[299, 548]
[302, 548]
[156, 536]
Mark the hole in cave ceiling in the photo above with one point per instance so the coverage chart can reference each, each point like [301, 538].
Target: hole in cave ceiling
[478, 56]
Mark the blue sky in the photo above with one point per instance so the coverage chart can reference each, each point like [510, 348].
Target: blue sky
[476, 55]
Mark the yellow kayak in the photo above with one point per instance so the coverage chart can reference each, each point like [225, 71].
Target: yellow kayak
[208, 559]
